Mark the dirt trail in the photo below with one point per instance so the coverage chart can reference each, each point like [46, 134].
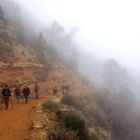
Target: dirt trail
[15, 124]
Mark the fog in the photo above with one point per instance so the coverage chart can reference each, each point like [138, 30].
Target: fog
[101, 38]
[105, 29]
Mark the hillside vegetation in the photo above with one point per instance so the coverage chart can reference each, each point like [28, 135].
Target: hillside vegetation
[50, 57]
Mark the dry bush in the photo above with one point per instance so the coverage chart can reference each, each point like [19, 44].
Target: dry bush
[62, 134]
[93, 137]
[71, 101]
[73, 122]
[73, 126]
[55, 107]
[87, 112]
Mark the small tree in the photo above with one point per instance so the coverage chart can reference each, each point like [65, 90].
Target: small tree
[2, 17]
[61, 43]
[115, 78]
[40, 49]
[119, 104]
[1, 13]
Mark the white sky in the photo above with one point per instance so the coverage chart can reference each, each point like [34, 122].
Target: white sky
[108, 28]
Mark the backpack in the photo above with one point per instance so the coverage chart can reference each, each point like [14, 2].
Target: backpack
[17, 91]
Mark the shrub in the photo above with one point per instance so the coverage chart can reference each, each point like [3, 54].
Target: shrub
[93, 137]
[55, 107]
[73, 122]
[70, 100]
[62, 134]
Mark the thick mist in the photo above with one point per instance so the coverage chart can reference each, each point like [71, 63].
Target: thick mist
[94, 43]
[96, 38]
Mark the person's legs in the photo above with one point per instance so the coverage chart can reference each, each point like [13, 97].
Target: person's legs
[17, 98]
[6, 100]
[1, 101]
[36, 94]
[26, 99]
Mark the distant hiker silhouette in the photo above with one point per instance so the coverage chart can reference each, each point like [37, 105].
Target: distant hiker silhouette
[6, 94]
[55, 90]
[17, 93]
[26, 93]
[65, 89]
[1, 98]
[37, 89]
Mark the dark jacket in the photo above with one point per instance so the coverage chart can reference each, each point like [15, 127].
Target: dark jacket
[17, 91]
[26, 91]
[6, 92]
[55, 90]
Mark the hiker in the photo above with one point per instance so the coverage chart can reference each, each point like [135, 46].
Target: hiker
[6, 94]
[1, 98]
[55, 90]
[17, 93]
[37, 89]
[65, 89]
[26, 92]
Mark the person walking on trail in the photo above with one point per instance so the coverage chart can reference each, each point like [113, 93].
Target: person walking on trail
[26, 93]
[1, 98]
[55, 90]
[17, 93]
[6, 92]
[37, 89]
[65, 89]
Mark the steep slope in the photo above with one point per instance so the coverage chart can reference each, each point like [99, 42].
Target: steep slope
[25, 63]
[9, 43]
[81, 97]
[18, 62]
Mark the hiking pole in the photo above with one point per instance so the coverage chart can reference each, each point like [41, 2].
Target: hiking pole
[11, 103]
[23, 98]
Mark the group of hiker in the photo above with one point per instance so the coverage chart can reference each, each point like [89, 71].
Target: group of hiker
[19, 91]
[64, 89]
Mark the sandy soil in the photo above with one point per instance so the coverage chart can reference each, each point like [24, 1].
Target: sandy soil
[15, 124]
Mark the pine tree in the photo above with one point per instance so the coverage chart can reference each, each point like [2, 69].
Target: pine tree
[2, 18]
[1, 14]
